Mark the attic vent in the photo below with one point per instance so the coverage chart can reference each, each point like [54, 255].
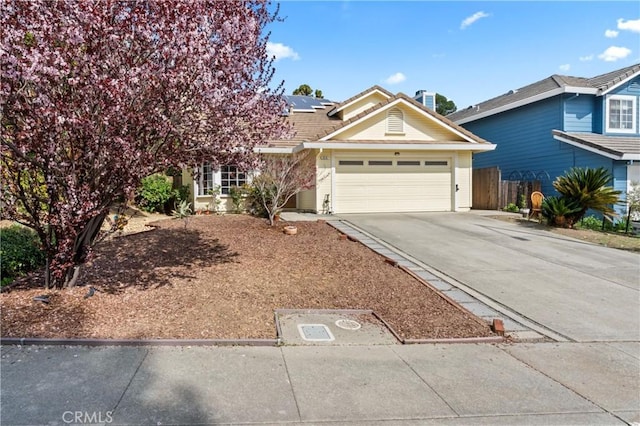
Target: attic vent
[395, 121]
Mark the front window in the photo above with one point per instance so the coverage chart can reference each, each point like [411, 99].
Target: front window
[621, 114]
[231, 176]
[206, 179]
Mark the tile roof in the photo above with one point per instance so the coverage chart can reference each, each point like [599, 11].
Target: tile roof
[307, 126]
[618, 146]
[600, 83]
[359, 95]
[312, 126]
[415, 103]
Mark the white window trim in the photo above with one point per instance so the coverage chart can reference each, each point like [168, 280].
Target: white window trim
[247, 178]
[634, 118]
[199, 183]
[217, 180]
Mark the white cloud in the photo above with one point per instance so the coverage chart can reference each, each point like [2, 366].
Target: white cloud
[614, 53]
[473, 18]
[611, 33]
[280, 51]
[565, 67]
[395, 78]
[630, 25]
[586, 58]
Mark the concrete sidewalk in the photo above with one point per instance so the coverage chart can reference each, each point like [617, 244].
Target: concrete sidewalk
[450, 384]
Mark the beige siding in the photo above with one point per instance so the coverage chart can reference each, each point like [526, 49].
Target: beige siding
[323, 178]
[307, 200]
[463, 178]
[416, 128]
[361, 105]
[187, 179]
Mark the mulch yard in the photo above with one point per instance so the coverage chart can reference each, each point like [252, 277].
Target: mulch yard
[222, 277]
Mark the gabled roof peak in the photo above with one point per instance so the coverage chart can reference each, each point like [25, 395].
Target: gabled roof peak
[547, 87]
[362, 94]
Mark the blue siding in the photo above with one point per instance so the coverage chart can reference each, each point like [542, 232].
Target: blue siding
[598, 115]
[526, 147]
[631, 87]
[578, 113]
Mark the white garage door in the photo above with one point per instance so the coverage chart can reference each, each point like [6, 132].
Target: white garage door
[372, 185]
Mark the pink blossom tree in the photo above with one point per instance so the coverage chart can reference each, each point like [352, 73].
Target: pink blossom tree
[97, 95]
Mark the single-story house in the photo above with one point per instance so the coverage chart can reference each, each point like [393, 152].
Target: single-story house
[544, 129]
[375, 152]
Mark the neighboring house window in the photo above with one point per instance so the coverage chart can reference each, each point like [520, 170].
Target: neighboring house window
[395, 121]
[231, 176]
[621, 113]
[206, 179]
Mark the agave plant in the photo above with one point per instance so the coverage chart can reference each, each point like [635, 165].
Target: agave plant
[560, 211]
[588, 188]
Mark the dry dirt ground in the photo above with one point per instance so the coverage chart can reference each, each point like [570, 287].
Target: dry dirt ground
[222, 277]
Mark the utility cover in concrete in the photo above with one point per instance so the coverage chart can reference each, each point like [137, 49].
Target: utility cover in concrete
[346, 328]
[347, 324]
[315, 332]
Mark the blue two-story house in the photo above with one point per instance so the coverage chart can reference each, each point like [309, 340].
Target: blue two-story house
[543, 129]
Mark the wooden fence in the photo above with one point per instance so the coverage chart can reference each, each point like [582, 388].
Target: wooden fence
[490, 192]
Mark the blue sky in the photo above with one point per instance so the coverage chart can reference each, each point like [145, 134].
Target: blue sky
[467, 51]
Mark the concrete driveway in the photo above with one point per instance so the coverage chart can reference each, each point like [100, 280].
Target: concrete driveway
[578, 290]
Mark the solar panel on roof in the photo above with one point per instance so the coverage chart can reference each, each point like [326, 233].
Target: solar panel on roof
[306, 103]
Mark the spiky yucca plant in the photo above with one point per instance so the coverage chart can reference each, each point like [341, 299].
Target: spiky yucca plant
[588, 188]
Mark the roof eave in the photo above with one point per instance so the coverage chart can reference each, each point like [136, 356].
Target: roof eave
[620, 83]
[356, 146]
[363, 94]
[611, 155]
[529, 100]
[278, 149]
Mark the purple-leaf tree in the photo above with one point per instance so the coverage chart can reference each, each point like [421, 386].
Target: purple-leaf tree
[97, 95]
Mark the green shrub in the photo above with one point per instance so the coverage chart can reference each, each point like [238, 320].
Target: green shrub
[511, 208]
[595, 224]
[560, 211]
[587, 188]
[523, 202]
[155, 194]
[590, 222]
[254, 202]
[237, 194]
[181, 194]
[20, 252]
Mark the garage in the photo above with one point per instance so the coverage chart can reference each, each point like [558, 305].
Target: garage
[366, 184]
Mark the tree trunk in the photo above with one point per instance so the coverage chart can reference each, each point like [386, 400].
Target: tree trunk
[82, 246]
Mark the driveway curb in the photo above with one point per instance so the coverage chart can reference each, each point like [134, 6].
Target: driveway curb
[526, 330]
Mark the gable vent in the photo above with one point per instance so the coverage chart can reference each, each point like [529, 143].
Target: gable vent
[395, 121]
